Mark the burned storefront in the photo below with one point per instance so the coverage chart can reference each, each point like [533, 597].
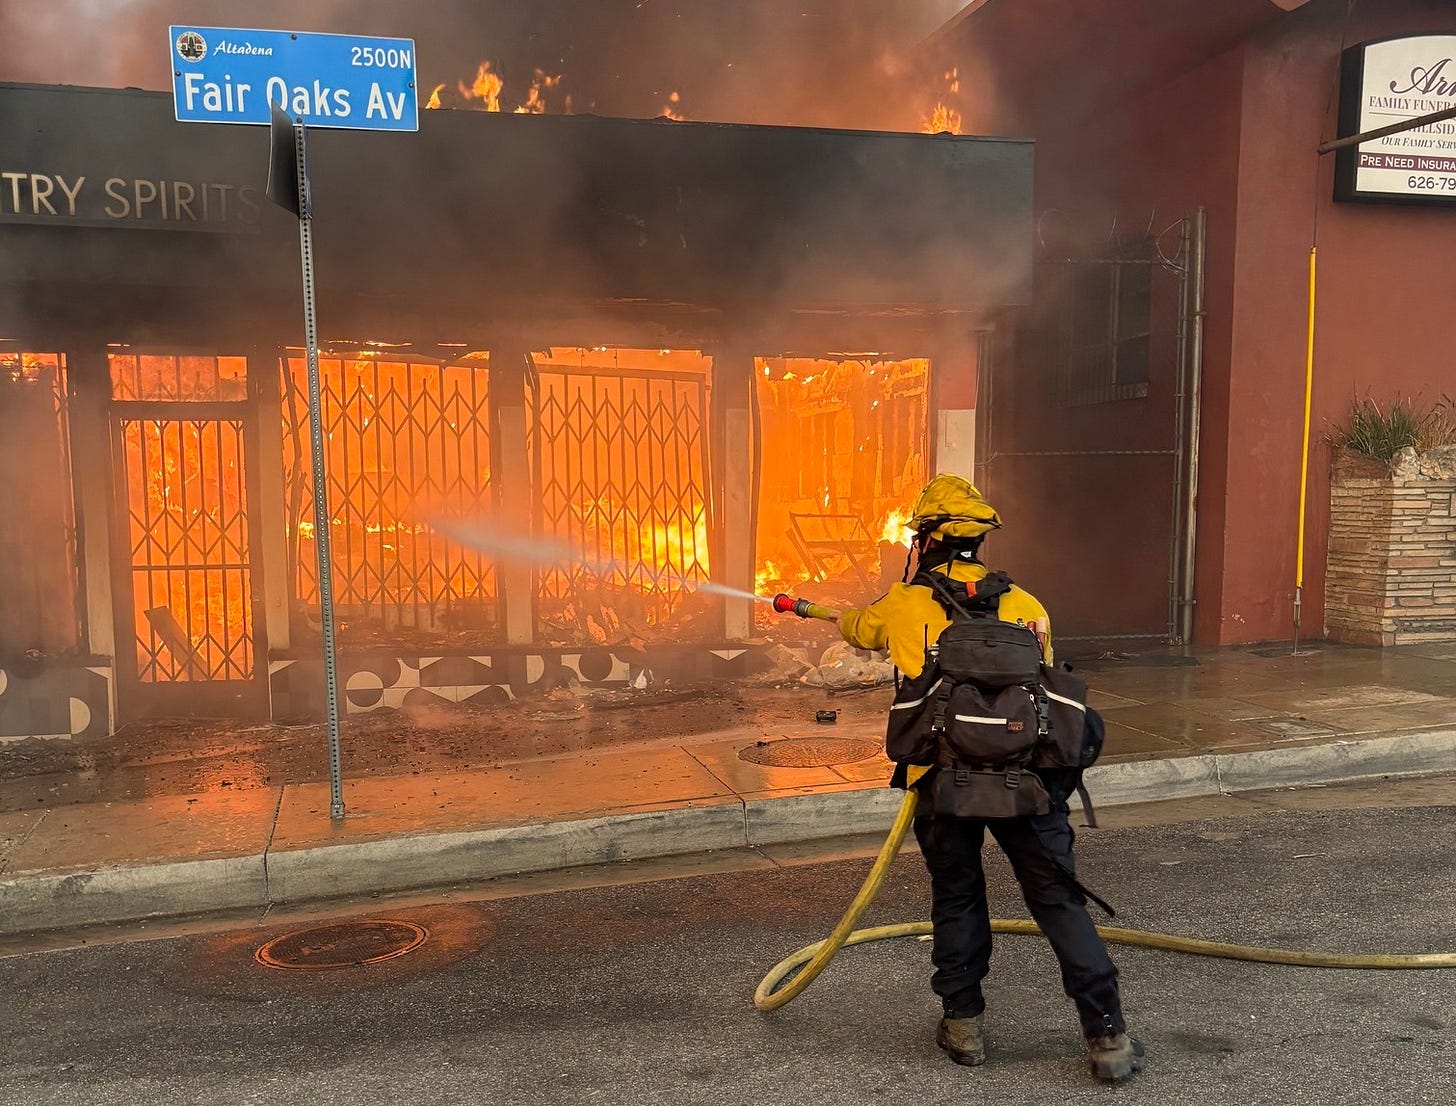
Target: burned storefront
[637, 355]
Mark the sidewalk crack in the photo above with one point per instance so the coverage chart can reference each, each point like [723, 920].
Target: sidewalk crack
[758, 850]
[733, 791]
[268, 848]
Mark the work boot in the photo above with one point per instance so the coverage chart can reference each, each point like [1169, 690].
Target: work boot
[962, 1039]
[1113, 1057]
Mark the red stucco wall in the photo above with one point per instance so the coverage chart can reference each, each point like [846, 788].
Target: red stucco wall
[1237, 135]
[1149, 160]
[1384, 323]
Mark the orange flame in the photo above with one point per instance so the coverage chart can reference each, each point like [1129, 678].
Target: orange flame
[535, 103]
[767, 578]
[896, 528]
[943, 120]
[486, 88]
[673, 108]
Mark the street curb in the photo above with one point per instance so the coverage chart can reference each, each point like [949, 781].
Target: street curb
[790, 818]
[425, 860]
[76, 897]
[62, 899]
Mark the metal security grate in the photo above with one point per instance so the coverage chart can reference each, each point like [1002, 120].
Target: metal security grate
[342, 945]
[196, 378]
[621, 460]
[809, 752]
[188, 535]
[406, 440]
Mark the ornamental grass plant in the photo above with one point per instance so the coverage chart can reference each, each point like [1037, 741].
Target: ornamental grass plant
[1382, 432]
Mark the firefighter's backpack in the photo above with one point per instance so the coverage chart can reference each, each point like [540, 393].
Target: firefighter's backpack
[988, 713]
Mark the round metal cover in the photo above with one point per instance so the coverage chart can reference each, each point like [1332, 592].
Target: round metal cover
[342, 945]
[809, 752]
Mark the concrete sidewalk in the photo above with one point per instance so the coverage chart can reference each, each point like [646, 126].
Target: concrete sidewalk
[1238, 721]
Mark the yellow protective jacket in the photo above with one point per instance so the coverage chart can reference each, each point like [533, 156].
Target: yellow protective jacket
[908, 618]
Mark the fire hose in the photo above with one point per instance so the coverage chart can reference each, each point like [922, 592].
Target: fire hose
[773, 992]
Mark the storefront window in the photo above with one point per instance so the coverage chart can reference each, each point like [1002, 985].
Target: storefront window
[38, 610]
[195, 379]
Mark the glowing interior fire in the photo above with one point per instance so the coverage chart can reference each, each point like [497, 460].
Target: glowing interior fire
[896, 529]
[188, 519]
[619, 464]
[844, 453]
[620, 444]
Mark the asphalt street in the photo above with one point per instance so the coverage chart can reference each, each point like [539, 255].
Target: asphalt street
[640, 994]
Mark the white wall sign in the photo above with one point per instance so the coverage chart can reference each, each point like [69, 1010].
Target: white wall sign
[1386, 82]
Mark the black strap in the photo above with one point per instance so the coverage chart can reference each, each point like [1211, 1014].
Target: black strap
[1043, 712]
[1087, 808]
[1071, 876]
[992, 586]
[943, 757]
[979, 602]
[945, 592]
[1105, 906]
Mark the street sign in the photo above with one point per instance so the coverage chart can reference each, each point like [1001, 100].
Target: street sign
[225, 75]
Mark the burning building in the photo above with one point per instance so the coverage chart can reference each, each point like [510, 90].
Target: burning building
[666, 352]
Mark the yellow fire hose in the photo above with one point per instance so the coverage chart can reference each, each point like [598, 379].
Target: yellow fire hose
[772, 992]
[770, 995]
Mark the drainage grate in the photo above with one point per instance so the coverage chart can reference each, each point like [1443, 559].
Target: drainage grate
[809, 752]
[342, 945]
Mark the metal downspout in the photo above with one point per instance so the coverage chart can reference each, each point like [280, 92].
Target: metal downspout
[1190, 516]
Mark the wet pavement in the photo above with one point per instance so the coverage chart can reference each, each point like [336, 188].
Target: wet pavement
[211, 757]
[258, 791]
[1155, 705]
[639, 992]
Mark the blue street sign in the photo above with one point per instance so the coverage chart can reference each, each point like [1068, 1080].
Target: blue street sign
[224, 75]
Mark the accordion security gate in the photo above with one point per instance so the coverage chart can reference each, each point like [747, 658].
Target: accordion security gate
[618, 471]
[620, 458]
[186, 580]
[405, 441]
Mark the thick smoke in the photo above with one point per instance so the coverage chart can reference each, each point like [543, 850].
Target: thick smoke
[838, 63]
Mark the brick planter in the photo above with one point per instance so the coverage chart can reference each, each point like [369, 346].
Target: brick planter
[1391, 573]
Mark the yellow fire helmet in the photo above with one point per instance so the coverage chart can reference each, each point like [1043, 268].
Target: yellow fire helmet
[952, 507]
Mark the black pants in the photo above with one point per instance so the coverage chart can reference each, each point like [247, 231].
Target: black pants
[1040, 851]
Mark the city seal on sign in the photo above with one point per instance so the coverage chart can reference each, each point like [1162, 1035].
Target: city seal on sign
[191, 46]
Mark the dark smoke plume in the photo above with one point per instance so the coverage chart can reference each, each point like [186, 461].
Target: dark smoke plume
[839, 63]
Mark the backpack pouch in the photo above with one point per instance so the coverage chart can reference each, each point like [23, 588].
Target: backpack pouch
[908, 736]
[989, 653]
[1066, 746]
[990, 727]
[969, 793]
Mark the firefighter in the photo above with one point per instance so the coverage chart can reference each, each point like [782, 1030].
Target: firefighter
[951, 520]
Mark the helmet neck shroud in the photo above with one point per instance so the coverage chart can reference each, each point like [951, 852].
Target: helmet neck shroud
[937, 551]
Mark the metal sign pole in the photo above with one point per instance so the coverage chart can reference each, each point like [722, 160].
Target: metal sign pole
[321, 525]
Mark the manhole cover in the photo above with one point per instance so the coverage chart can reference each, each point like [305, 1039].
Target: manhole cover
[809, 752]
[341, 945]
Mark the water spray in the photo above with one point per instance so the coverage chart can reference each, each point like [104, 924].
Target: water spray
[546, 551]
[787, 604]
